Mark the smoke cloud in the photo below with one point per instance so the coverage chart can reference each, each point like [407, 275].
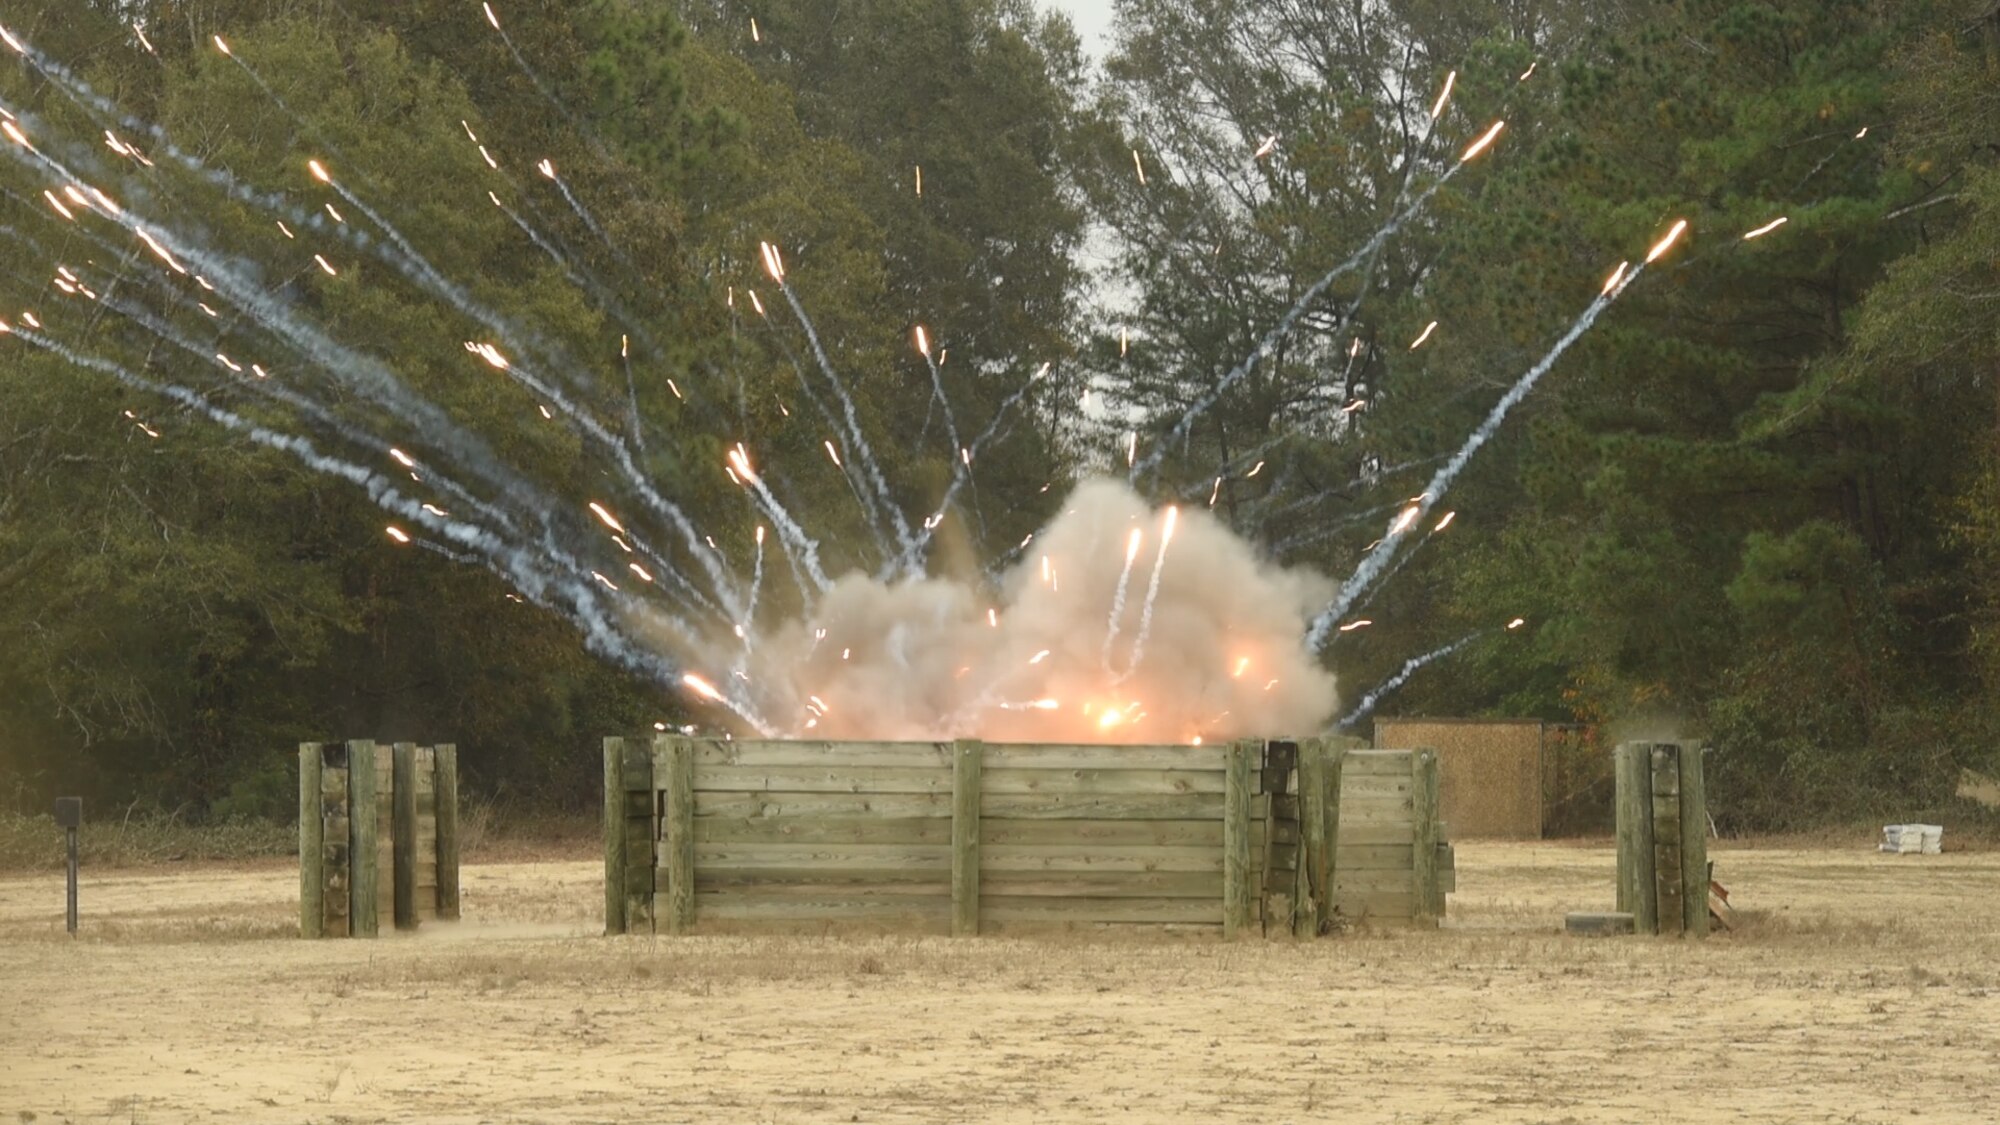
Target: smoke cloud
[935, 658]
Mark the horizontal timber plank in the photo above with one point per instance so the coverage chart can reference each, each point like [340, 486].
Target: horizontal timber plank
[1100, 781]
[1368, 904]
[1011, 908]
[1393, 785]
[1373, 763]
[1193, 931]
[1115, 833]
[821, 779]
[822, 830]
[1375, 832]
[714, 858]
[824, 804]
[999, 858]
[1203, 885]
[723, 906]
[1362, 882]
[822, 755]
[824, 884]
[1196, 758]
[1097, 806]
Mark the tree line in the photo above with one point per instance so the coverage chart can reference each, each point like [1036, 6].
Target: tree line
[1755, 503]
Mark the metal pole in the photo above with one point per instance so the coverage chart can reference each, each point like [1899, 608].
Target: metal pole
[72, 881]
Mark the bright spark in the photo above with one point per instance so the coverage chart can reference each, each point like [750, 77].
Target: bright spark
[1666, 243]
[1531, 70]
[773, 264]
[1479, 145]
[1254, 470]
[223, 47]
[546, 168]
[1767, 228]
[1140, 166]
[1404, 521]
[1617, 276]
[833, 453]
[58, 205]
[610, 520]
[1424, 335]
[608, 584]
[1445, 522]
[1265, 149]
[701, 687]
[326, 265]
[1444, 95]
[318, 171]
[923, 341]
[640, 571]
[397, 533]
[1353, 625]
[490, 17]
[1517, 623]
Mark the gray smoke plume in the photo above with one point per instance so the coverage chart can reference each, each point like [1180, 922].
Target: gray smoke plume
[932, 658]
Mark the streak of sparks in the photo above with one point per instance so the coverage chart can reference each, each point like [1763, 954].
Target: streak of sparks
[1479, 145]
[1445, 522]
[755, 35]
[546, 167]
[1666, 243]
[1444, 95]
[608, 584]
[397, 533]
[1353, 625]
[610, 520]
[640, 571]
[490, 17]
[326, 265]
[1254, 470]
[58, 205]
[1617, 276]
[1424, 335]
[833, 453]
[318, 171]
[1767, 228]
[223, 47]
[1404, 521]
[1140, 166]
[775, 265]
[923, 342]
[920, 181]
[701, 687]
[1528, 72]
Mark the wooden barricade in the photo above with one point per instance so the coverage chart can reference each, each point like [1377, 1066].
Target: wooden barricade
[969, 837]
[1662, 837]
[378, 836]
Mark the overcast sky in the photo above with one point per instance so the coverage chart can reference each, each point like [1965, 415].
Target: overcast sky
[1092, 19]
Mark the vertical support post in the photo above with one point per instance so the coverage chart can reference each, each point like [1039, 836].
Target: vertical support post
[967, 756]
[1236, 837]
[614, 836]
[1426, 900]
[364, 863]
[1329, 780]
[69, 911]
[312, 845]
[678, 854]
[447, 832]
[1625, 830]
[1666, 766]
[1694, 841]
[1308, 888]
[403, 834]
[1635, 818]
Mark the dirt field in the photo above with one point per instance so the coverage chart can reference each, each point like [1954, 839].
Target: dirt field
[1861, 988]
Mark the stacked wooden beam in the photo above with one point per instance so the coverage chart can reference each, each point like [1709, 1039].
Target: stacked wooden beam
[357, 865]
[1663, 875]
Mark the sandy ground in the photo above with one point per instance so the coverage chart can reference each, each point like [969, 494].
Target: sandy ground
[1860, 988]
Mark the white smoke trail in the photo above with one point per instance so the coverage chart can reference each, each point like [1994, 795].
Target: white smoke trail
[858, 446]
[1152, 594]
[1118, 598]
[1409, 668]
[1376, 559]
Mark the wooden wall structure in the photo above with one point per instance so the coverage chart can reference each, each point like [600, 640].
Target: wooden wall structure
[378, 836]
[969, 837]
[1662, 837]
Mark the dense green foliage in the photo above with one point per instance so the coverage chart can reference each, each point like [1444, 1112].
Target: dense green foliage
[1757, 503]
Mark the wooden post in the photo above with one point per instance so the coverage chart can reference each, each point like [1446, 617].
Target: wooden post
[336, 838]
[677, 856]
[447, 832]
[1427, 900]
[966, 758]
[1694, 841]
[403, 833]
[312, 845]
[642, 831]
[1236, 838]
[1329, 780]
[364, 848]
[1619, 753]
[614, 836]
[1640, 894]
[1309, 897]
[1666, 765]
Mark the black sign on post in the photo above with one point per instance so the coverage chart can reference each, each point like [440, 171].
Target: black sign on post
[69, 818]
